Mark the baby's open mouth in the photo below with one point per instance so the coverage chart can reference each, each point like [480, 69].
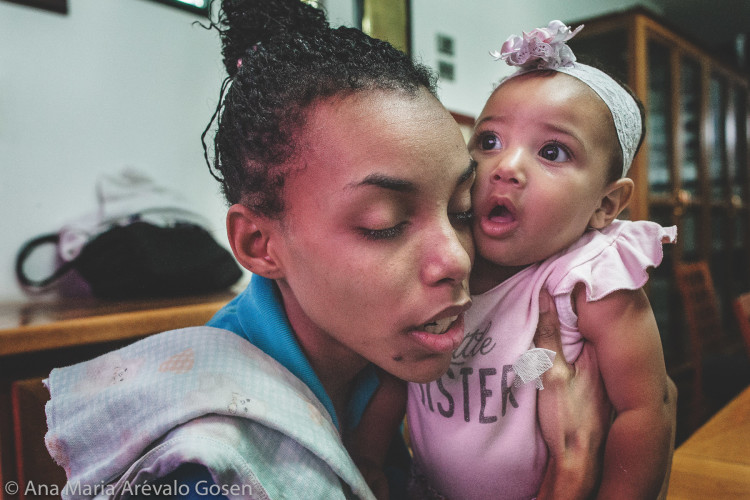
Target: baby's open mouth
[501, 213]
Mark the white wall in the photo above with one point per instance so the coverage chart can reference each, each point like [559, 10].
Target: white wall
[480, 26]
[113, 83]
[133, 82]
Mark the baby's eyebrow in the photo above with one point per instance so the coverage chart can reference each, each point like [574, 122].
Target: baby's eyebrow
[489, 118]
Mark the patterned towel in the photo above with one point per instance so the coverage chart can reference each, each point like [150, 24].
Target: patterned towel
[127, 412]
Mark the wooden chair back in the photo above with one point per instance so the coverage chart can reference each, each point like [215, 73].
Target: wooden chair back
[701, 304]
[704, 325]
[741, 307]
[33, 463]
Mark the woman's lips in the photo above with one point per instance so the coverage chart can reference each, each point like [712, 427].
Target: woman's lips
[440, 336]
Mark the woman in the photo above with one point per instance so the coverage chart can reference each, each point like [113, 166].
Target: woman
[349, 187]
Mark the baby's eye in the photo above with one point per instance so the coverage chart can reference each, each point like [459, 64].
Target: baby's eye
[554, 152]
[488, 141]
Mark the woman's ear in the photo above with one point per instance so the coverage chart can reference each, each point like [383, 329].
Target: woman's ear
[616, 198]
[250, 237]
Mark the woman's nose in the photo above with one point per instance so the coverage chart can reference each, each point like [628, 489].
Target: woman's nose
[447, 257]
[510, 168]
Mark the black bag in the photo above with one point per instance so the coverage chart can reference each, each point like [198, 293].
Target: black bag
[142, 260]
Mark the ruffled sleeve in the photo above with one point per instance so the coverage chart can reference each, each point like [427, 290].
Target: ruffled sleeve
[615, 258]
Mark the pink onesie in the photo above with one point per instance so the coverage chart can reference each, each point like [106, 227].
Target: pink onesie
[474, 434]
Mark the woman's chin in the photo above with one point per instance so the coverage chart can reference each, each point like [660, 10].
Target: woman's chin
[422, 371]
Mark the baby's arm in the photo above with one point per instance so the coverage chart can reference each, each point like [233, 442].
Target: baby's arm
[368, 444]
[628, 348]
[574, 414]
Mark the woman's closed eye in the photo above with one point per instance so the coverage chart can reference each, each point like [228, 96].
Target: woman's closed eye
[457, 219]
[387, 233]
[555, 152]
[465, 217]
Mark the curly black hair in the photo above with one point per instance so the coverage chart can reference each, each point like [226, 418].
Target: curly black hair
[282, 57]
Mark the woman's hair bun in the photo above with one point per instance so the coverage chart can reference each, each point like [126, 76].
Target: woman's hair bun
[244, 24]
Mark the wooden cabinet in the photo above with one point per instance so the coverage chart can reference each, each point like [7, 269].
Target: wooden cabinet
[38, 336]
[692, 170]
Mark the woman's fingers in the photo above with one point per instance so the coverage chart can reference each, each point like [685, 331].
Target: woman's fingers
[548, 329]
[573, 408]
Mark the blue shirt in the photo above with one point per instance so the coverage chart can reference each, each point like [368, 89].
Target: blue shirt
[258, 316]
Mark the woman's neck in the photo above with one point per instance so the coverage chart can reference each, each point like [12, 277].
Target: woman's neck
[336, 367]
[486, 275]
[335, 364]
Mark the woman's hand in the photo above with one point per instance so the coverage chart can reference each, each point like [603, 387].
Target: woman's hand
[574, 413]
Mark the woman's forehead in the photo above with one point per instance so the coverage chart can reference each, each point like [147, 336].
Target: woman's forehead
[390, 133]
[385, 112]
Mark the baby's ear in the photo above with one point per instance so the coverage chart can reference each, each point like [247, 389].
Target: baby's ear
[616, 198]
[251, 237]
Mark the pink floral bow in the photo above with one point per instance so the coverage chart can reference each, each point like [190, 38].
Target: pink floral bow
[541, 48]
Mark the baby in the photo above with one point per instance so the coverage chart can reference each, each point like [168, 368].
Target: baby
[552, 145]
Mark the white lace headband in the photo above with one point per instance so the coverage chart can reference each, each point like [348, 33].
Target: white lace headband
[545, 49]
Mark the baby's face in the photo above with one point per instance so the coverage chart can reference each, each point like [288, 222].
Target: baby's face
[543, 144]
